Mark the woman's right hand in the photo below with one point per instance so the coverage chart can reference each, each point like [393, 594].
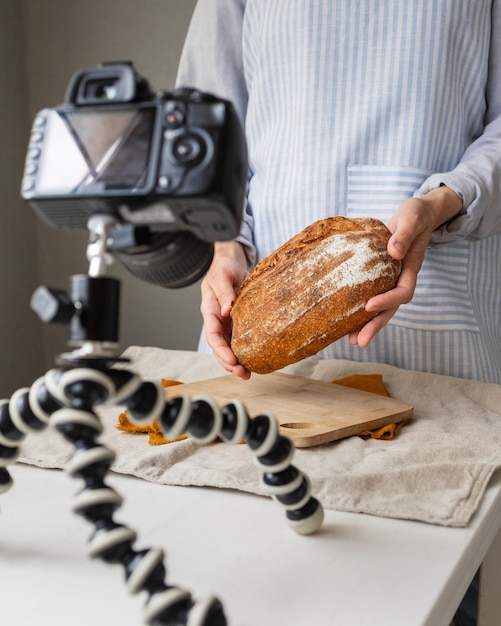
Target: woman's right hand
[219, 290]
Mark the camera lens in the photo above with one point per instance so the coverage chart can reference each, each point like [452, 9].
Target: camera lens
[171, 260]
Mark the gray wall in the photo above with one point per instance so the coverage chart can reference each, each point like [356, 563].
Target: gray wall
[42, 44]
[21, 356]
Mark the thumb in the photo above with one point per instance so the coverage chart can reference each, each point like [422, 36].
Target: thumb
[403, 231]
[225, 293]
[227, 303]
[408, 225]
[397, 246]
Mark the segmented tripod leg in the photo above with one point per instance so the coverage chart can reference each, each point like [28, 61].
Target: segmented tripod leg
[97, 502]
[67, 397]
[204, 421]
[27, 411]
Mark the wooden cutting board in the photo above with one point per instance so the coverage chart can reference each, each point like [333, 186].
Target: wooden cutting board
[310, 412]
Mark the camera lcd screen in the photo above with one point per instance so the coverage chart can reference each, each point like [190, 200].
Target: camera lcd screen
[92, 152]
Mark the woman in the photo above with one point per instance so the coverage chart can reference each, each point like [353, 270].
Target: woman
[389, 109]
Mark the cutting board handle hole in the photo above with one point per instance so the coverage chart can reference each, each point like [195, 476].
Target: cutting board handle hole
[296, 425]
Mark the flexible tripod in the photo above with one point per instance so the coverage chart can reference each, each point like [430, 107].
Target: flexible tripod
[65, 398]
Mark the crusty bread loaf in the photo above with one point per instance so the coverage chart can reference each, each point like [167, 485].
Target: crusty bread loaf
[311, 291]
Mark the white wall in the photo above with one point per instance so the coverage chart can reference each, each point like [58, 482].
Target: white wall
[62, 36]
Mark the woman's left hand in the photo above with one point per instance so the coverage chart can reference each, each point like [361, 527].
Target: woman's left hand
[411, 228]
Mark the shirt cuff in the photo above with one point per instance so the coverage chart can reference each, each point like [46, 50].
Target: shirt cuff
[466, 221]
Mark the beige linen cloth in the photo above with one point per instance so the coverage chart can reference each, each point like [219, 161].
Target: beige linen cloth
[435, 471]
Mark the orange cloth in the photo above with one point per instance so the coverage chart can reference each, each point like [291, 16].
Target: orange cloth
[373, 383]
[365, 382]
[155, 436]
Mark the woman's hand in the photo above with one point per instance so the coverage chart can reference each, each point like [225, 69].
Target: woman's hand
[219, 290]
[411, 227]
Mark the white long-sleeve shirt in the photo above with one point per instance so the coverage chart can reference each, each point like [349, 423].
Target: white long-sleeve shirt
[349, 109]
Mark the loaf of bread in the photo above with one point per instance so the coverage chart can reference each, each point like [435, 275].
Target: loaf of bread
[311, 291]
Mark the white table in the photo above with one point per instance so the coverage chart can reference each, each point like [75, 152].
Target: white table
[359, 571]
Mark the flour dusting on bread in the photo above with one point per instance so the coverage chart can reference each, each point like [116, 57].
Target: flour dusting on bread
[311, 291]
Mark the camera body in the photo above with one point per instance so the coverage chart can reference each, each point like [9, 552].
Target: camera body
[168, 162]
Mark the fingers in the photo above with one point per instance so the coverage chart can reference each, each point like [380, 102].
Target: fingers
[220, 345]
[366, 334]
[218, 335]
[409, 222]
[228, 361]
[401, 294]
[218, 288]
[408, 242]
[218, 294]
[221, 292]
[397, 247]
[387, 304]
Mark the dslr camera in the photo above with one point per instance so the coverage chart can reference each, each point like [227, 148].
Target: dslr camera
[169, 167]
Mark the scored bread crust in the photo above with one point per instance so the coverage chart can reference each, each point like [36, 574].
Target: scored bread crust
[311, 292]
